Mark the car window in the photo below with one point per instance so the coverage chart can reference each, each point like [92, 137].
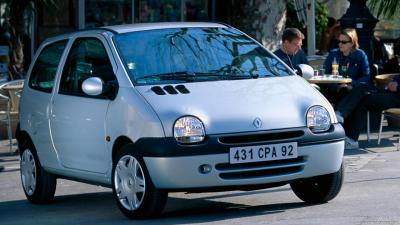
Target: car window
[87, 58]
[195, 54]
[45, 68]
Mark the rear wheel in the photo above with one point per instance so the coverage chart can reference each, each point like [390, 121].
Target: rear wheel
[39, 186]
[133, 189]
[319, 189]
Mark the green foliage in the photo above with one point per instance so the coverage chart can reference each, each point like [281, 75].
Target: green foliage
[388, 8]
[321, 21]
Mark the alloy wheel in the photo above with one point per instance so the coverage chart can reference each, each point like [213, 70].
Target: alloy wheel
[28, 172]
[129, 181]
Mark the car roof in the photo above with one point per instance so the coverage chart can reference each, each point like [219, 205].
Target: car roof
[162, 25]
[119, 29]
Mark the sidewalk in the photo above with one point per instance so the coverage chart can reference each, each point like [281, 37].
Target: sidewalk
[389, 141]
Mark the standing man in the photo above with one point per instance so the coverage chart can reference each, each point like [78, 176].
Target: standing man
[290, 51]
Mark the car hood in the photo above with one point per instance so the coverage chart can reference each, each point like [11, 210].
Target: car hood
[232, 106]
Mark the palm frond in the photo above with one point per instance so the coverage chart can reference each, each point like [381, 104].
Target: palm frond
[387, 9]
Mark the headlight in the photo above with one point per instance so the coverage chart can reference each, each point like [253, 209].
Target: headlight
[189, 129]
[318, 119]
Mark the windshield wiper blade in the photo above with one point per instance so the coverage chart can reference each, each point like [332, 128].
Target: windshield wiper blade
[222, 76]
[192, 76]
[179, 75]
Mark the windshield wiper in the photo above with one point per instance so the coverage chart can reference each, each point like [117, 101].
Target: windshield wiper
[221, 76]
[179, 75]
[190, 76]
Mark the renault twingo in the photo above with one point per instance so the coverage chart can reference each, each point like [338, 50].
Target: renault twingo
[148, 109]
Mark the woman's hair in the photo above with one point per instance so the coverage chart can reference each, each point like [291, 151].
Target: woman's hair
[352, 34]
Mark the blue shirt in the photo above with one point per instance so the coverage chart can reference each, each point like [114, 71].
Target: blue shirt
[292, 60]
[356, 61]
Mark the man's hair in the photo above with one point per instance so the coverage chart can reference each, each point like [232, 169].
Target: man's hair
[290, 34]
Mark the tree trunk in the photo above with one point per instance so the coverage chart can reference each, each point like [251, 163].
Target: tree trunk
[16, 25]
[264, 20]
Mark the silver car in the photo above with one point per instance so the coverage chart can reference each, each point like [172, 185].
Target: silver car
[148, 109]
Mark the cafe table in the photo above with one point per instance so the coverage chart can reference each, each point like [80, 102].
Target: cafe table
[329, 79]
[382, 80]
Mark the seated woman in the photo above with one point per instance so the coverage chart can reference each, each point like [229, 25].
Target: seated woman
[353, 62]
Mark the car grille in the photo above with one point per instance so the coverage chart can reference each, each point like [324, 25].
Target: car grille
[260, 169]
[249, 138]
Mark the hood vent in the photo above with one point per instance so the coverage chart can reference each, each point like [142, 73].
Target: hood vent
[170, 90]
[182, 89]
[158, 90]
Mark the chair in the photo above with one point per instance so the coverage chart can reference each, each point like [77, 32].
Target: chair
[316, 61]
[381, 81]
[393, 113]
[10, 92]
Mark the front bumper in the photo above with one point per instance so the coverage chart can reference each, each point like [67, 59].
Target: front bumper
[178, 167]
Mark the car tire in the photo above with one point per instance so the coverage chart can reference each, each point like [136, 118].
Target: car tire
[319, 189]
[133, 189]
[39, 186]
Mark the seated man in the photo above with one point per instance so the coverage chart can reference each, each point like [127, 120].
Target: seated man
[290, 51]
[352, 110]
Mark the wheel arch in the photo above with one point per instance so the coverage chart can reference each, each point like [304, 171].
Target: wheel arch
[23, 138]
[118, 144]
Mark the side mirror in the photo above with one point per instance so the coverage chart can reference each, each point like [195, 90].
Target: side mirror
[306, 71]
[93, 86]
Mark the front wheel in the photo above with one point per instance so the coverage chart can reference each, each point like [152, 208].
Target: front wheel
[319, 189]
[133, 189]
[39, 185]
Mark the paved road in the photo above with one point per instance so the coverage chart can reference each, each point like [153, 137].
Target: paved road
[370, 195]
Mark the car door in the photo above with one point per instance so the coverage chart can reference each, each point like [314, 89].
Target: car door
[78, 120]
[37, 97]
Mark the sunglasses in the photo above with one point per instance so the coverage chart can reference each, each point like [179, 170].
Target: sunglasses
[344, 42]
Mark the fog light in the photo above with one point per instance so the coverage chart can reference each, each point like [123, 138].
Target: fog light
[205, 168]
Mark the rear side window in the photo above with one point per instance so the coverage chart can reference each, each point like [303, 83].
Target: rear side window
[87, 58]
[45, 68]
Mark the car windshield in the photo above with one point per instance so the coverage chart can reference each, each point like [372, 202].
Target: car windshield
[195, 54]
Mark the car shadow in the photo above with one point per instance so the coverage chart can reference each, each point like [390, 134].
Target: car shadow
[100, 208]
[358, 151]
[201, 211]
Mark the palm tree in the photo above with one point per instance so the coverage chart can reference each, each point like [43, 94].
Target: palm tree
[16, 20]
[387, 8]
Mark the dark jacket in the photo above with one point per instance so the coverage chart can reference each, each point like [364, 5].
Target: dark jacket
[292, 60]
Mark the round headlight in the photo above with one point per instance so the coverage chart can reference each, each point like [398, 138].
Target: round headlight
[318, 119]
[189, 129]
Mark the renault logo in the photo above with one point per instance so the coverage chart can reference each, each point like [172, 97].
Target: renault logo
[257, 122]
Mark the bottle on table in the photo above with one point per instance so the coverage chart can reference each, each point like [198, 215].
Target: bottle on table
[335, 67]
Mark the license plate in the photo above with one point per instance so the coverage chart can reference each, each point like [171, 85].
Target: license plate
[261, 153]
